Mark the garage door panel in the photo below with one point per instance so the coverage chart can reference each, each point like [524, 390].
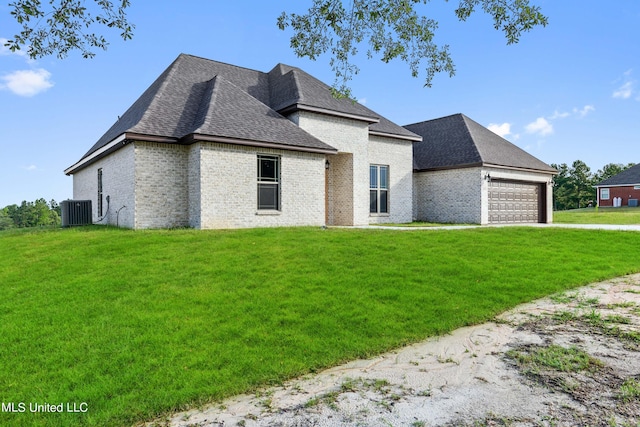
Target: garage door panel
[513, 202]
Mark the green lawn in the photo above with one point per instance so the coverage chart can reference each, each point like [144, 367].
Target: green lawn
[137, 324]
[622, 215]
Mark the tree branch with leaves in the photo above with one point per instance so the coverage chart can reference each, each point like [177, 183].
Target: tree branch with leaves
[61, 26]
[393, 29]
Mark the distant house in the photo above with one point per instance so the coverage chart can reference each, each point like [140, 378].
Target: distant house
[464, 173]
[625, 185]
[213, 145]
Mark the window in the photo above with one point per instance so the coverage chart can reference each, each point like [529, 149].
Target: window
[604, 194]
[100, 192]
[378, 189]
[268, 182]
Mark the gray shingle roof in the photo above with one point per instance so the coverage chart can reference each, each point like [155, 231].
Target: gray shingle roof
[293, 88]
[196, 98]
[629, 176]
[457, 141]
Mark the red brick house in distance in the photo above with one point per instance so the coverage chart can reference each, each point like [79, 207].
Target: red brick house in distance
[625, 185]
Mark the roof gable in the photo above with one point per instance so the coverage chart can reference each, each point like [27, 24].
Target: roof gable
[629, 176]
[457, 141]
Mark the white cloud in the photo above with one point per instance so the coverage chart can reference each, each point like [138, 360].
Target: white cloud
[27, 82]
[627, 89]
[559, 115]
[585, 110]
[362, 101]
[541, 127]
[503, 130]
[30, 168]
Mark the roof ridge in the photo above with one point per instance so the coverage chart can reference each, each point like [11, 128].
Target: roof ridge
[296, 78]
[170, 71]
[468, 130]
[207, 102]
[433, 120]
[219, 62]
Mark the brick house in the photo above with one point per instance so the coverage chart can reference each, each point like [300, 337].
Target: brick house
[212, 145]
[625, 185]
[464, 173]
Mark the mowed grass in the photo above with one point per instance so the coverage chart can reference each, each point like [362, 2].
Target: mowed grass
[140, 323]
[623, 215]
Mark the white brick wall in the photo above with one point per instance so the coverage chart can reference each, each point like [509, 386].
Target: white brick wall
[348, 136]
[340, 189]
[348, 173]
[161, 190]
[228, 188]
[448, 196]
[398, 154]
[117, 183]
[194, 185]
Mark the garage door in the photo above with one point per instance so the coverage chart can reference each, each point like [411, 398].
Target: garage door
[513, 202]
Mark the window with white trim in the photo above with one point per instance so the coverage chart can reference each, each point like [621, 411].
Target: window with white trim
[604, 194]
[268, 182]
[378, 189]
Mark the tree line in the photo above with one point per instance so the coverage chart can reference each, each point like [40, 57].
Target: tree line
[573, 186]
[30, 214]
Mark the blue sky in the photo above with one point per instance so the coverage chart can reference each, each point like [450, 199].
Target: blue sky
[565, 92]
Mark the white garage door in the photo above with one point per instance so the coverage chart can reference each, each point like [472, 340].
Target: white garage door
[513, 202]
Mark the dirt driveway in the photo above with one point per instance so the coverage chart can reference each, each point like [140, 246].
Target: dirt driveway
[569, 360]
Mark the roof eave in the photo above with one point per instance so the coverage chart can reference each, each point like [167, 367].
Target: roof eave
[195, 137]
[114, 145]
[448, 167]
[483, 164]
[416, 138]
[523, 169]
[297, 107]
[615, 185]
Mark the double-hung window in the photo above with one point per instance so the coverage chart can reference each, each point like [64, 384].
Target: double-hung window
[378, 189]
[268, 182]
[604, 194]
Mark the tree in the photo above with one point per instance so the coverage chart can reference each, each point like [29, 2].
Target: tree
[30, 214]
[65, 25]
[573, 186]
[561, 190]
[5, 220]
[393, 29]
[581, 184]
